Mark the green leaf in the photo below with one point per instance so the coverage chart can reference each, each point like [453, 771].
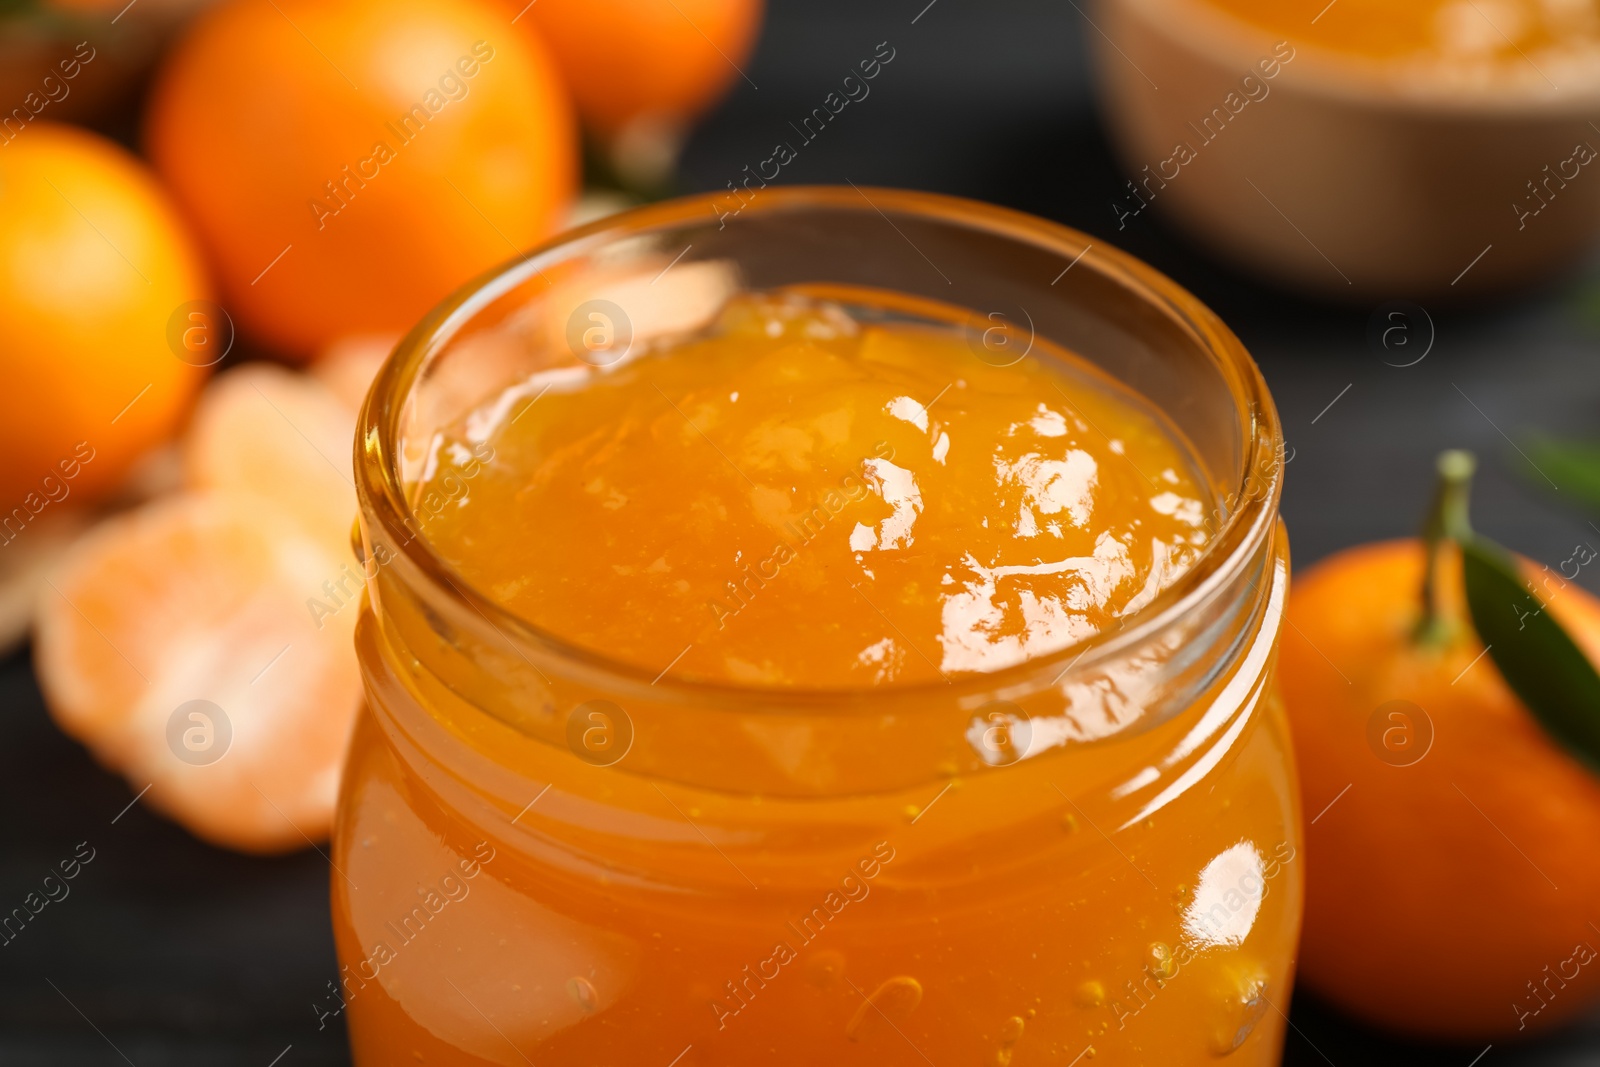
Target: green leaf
[1572, 465]
[1538, 659]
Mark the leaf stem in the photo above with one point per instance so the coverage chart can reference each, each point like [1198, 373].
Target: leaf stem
[1447, 521]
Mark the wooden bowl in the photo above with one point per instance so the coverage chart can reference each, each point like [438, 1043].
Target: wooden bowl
[1347, 178]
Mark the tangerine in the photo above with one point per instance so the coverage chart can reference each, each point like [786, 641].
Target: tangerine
[96, 263]
[349, 163]
[175, 643]
[1447, 895]
[284, 436]
[203, 644]
[660, 60]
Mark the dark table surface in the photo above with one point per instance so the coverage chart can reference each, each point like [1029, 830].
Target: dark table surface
[168, 952]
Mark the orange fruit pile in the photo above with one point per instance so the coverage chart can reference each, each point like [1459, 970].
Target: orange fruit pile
[343, 166]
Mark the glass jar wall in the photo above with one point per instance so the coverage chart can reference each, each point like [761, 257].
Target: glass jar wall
[545, 855]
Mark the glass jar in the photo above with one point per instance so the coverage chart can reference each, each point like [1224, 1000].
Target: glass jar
[545, 856]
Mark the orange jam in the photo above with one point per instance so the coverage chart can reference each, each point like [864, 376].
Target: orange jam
[796, 500]
[1547, 35]
[728, 782]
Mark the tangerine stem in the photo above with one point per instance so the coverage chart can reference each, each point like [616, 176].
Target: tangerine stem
[1447, 521]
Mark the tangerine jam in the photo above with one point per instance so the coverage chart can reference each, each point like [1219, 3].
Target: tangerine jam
[797, 500]
[1543, 43]
[804, 671]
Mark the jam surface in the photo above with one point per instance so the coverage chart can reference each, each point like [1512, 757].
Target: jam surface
[1543, 40]
[795, 498]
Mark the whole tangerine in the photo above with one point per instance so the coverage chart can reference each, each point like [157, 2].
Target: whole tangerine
[96, 263]
[1449, 893]
[349, 163]
[664, 60]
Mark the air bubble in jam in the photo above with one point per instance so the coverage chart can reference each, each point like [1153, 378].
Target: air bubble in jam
[1243, 1004]
[825, 969]
[1090, 994]
[892, 1002]
[1010, 1034]
[582, 991]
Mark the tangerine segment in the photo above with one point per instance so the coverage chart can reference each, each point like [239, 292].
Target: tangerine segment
[348, 366]
[1442, 874]
[202, 597]
[94, 263]
[282, 436]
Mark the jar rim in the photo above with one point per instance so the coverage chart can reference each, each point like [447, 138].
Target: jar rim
[1246, 526]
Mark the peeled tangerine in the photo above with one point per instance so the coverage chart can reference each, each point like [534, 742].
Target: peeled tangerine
[280, 435]
[191, 644]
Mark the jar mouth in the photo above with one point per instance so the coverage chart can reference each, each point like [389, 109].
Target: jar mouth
[1248, 510]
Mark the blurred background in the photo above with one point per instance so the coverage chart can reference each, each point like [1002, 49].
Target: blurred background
[170, 951]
